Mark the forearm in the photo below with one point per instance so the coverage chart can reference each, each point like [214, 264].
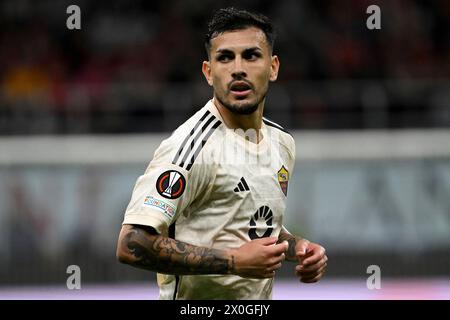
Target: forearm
[292, 241]
[165, 255]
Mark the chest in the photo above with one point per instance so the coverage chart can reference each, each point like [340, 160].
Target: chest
[260, 172]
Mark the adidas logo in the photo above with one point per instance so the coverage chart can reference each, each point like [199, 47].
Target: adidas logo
[242, 186]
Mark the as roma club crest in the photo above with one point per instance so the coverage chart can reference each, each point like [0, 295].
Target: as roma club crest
[171, 184]
[283, 179]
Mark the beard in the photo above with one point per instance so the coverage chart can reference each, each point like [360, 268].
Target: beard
[244, 108]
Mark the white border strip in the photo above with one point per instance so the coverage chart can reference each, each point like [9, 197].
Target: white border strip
[139, 149]
[372, 145]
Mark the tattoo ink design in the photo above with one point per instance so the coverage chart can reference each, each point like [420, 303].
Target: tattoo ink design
[169, 256]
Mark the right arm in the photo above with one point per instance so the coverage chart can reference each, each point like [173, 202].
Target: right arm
[143, 247]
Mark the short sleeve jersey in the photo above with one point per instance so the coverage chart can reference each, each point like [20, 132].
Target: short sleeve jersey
[209, 186]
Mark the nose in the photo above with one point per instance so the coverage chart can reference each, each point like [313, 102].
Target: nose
[239, 70]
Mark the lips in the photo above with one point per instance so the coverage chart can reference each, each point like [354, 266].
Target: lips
[240, 88]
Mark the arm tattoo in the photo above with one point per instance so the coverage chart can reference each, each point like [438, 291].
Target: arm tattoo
[292, 241]
[169, 256]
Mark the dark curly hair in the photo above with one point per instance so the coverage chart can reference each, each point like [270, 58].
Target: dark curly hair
[230, 19]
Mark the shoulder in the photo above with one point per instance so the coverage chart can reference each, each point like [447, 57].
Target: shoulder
[281, 135]
[275, 125]
[186, 143]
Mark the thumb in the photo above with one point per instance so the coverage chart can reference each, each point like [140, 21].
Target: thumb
[267, 241]
[301, 247]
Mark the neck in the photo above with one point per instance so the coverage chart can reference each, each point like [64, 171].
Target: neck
[242, 121]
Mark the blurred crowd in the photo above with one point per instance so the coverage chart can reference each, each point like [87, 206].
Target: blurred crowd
[135, 65]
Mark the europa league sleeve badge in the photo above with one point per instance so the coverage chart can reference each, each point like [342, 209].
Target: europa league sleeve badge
[283, 179]
[171, 184]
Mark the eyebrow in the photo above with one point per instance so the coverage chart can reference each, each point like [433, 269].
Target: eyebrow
[219, 51]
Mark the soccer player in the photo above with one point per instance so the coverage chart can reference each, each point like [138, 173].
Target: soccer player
[207, 215]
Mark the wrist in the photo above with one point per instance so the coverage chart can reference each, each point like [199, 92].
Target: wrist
[231, 261]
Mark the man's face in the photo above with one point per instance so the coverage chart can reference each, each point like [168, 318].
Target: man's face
[240, 68]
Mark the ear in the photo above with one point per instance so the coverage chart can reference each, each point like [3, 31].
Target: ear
[206, 69]
[275, 66]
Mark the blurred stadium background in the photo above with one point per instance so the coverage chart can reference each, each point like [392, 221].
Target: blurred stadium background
[82, 111]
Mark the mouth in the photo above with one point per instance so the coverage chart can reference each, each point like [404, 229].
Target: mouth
[240, 88]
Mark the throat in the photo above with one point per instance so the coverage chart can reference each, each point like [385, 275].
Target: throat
[247, 126]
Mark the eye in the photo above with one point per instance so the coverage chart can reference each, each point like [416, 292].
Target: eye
[253, 55]
[224, 58]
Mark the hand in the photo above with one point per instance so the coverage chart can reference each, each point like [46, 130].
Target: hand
[259, 258]
[312, 261]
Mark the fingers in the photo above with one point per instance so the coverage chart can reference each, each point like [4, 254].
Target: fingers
[311, 267]
[280, 248]
[279, 258]
[270, 271]
[312, 279]
[317, 255]
[267, 241]
[275, 264]
[274, 267]
[311, 276]
[308, 274]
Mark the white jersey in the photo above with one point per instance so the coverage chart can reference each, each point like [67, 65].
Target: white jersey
[208, 186]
